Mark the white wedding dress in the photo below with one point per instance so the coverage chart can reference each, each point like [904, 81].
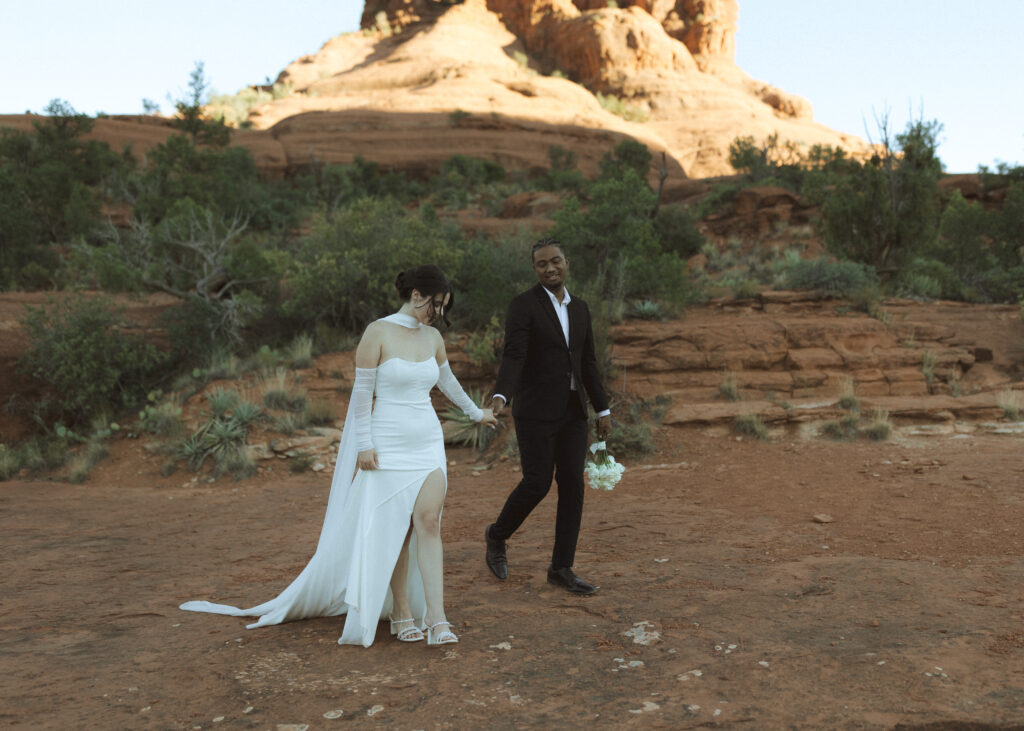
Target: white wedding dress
[368, 516]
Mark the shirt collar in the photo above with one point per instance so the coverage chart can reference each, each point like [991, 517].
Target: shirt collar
[554, 300]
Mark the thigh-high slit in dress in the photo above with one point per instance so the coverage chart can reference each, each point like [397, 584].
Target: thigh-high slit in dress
[366, 524]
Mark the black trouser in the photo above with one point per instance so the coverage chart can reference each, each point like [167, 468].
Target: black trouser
[547, 447]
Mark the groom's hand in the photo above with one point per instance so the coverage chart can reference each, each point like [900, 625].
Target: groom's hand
[497, 405]
[604, 427]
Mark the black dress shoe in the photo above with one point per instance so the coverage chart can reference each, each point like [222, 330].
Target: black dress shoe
[497, 561]
[569, 581]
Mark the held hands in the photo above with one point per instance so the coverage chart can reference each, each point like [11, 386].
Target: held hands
[488, 418]
[604, 427]
[497, 405]
[367, 459]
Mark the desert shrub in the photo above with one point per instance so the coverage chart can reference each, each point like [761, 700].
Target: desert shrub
[927, 279]
[300, 352]
[343, 273]
[994, 285]
[886, 212]
[744, 287]
[928, 366]
[676, 229]
[332, 187]
[720, 197]
[80, 348]
[234, 109]
[1009, 402]
[964, 235]
[632, 433]
[728, 389]
[94, 450]
[617, 228]
[321, 412]
[622, 108]
[837, 278]
[562, 173]
[923, 274]
[770, 161]
[626, 155]
[646, 310]
[192, 330]
[162, 419]
[841, 429]
[37, 454]
[51, 187]
[281, 393]
[491, 273]
[848, 395]
[751, 425]
[604, 294]
[10, 462]
[484, 347]
[879, 428]
[460, 176]
[224, 180]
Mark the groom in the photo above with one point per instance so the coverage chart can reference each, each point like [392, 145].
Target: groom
[547, 364]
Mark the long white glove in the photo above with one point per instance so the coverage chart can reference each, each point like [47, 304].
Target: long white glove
[450, 387]
[362, 402]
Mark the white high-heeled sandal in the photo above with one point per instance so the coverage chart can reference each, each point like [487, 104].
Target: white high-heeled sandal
[408, 634]
[445, 637]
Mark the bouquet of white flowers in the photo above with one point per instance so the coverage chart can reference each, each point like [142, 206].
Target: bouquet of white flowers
[603, 471]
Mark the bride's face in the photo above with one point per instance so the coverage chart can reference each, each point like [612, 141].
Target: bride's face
[429, 309]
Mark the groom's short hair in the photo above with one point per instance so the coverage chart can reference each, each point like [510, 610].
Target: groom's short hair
[546, 241]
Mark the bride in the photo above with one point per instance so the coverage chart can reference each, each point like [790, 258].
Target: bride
[379, 553]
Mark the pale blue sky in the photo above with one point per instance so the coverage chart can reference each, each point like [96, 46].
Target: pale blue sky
[960, 63]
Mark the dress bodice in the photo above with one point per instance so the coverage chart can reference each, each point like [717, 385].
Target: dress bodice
[403, 381]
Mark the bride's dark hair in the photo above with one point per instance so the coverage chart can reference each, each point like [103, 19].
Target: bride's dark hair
[429, 281]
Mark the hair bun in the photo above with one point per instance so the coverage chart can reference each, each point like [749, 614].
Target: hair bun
[400, 281]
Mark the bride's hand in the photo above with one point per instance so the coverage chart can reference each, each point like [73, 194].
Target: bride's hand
[489, 419]
[367, 459]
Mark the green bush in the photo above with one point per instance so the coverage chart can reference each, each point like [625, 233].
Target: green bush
[484, 347]
[836, 278]
[81, 349]
[632, 434]
[617, 230]
[332, 187]
[343, 273]
[562, 173]
[771, 161]
[676, 228]
[885, 212]
[225, 180]
[751, 425]
[51, 188]
[460, 177]
[622, 108]
[491, 273]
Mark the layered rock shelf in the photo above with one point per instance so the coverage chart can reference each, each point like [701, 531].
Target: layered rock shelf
[789, 357]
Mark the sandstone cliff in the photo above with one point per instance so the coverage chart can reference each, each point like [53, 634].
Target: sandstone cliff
[524, 63]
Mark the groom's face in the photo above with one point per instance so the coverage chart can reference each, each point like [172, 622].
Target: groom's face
[551, 266]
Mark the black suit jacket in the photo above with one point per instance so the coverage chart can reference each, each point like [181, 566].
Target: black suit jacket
[536, 364]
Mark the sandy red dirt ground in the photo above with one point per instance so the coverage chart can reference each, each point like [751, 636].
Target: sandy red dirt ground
[722, 602]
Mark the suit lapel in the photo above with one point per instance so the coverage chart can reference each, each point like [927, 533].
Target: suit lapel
[549, 310]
